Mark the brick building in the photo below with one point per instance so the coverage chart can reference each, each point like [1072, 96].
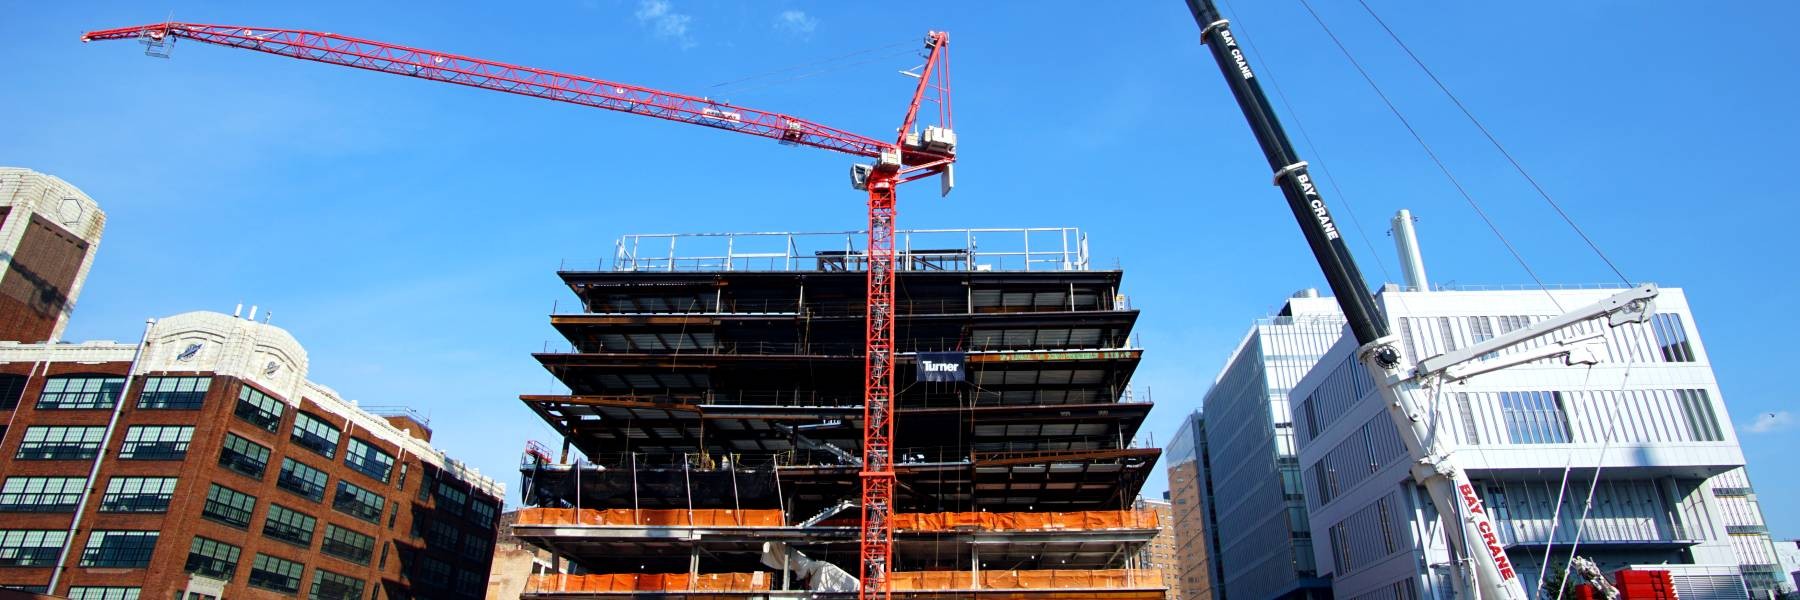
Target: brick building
[1160, 553]
[49, 231]
[201, 463]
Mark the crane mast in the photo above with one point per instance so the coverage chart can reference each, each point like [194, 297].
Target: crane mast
[914, 155]
[1401, 379]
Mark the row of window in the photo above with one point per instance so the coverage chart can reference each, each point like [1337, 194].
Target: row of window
[170, 442]
[102, 392]
[313, 433]
[142, 442]
[206, 556]
[238, 454]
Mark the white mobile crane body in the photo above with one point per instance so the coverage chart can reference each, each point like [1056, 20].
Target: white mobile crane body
[1401, 379]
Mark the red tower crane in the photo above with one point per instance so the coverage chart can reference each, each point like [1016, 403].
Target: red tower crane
[912, 156]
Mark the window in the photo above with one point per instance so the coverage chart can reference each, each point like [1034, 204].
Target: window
[259, 409]
[298, 478]
[315, 434]
[450, 499]
[119, 549]
[103, 593]
[327, 585]
[288, 525]
[468, 583]
[30, 547]
[228, 506]
[80, 392]
[138, 494]
[185, 393]
[12, 387]
[213, 558]
[482, 513]
[431, 570]
[365, 458]
[244, 456]
[270, 573]
[60, 443]
[476, 548]
[1449, 332]
[426, 485]
[441, 535]
[1471, 434]
[41, 494]
[1481, 329]
[1535, 417]
[348, 545]
[1671, 338]
[358, 502]
[156, 442]
[1696, 407]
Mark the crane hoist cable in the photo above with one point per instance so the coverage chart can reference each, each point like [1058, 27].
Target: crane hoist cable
[1496, 142]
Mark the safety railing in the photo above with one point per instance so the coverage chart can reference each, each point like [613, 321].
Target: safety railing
[1035, 579]
[1092, 520]
[657, 517]
[634, 583]
[1012, 249]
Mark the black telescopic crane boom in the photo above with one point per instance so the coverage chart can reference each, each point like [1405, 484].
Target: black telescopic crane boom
[1315, 219]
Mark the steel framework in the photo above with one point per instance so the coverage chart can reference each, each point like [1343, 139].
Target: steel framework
[904, 160]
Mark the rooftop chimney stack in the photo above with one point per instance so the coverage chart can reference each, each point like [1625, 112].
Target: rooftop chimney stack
[1406, 242]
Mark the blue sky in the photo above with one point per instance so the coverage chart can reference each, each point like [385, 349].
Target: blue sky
[407, 232]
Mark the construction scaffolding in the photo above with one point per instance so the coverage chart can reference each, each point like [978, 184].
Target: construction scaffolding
[712, 428]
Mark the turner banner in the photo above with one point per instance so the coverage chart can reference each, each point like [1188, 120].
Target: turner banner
[941, 366]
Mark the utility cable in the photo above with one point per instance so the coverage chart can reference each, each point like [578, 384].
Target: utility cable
[1430, 153]
[1313, 150]
[833, 69]
[1556, 514]
[809, 64]
[1496, 142]
[1599, 463]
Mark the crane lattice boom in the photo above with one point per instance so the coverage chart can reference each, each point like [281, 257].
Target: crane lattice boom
[513, 79]
[910, 157]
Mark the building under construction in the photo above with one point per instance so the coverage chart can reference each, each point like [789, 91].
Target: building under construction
[712, 429]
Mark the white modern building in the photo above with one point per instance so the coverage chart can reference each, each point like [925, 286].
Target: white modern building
[1258, 523]
[1648, 420]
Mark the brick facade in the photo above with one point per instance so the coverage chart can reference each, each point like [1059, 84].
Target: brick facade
[433, 537]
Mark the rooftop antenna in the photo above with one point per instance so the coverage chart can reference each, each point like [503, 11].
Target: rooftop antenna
[238, 313]
[253, 313]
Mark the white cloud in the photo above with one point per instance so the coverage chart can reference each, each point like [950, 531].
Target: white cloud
[796, 22]
[661, 18]
[1771, 422]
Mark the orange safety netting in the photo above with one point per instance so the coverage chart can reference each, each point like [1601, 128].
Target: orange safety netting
[1026, 521]
[658, 517]
[653, 582]
[1043, 579]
